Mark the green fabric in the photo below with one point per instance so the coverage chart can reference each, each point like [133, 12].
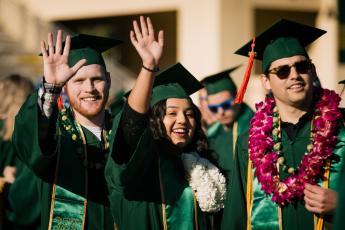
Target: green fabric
[134, 185]
[281, 48]
[71, 173]
[264, 211]
[178, 196]
[162, 92]
[23, 210]
[340, 211]
[293, 216]
[7, 156]
[174, 82]
[92, 56]
[223, 84]
[221, 139]
[68, 210]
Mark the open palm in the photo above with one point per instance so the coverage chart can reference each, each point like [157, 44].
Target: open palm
[55, 60]
[143, 39]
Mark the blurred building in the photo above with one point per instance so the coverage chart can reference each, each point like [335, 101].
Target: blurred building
[201, 34]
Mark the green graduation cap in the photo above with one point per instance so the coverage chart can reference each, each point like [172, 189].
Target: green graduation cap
[174, 82]
[220, 82]
[89, 47]
[283, 39]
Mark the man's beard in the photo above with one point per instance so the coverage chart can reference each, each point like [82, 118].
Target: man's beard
[87, 112]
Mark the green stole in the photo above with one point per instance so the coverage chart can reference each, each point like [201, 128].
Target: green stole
[264, 212]
[68, 210]
[177, 197]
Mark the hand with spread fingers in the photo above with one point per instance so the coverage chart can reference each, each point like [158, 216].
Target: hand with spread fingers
[55, 59]
[143, 39]
[320, 200]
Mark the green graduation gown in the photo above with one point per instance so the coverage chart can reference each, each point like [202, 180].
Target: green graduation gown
[71, 171]
[134, 185]
[340, 211]
[7, 156]
[23, 210]
[221, 140]
[294, 216]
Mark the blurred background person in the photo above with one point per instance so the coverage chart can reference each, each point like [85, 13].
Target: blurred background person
[18, 183]
[207, 117]
[226, 121]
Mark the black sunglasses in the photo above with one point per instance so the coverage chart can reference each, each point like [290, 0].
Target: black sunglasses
[226, 105]
[283, 71]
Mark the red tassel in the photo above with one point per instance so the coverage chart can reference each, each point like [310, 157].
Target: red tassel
[60, 103]
[243, 87]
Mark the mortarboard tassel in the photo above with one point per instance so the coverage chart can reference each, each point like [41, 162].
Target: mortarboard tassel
[243, 87]
[60, 103]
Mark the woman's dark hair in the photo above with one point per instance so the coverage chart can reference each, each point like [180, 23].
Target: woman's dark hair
[199, 141]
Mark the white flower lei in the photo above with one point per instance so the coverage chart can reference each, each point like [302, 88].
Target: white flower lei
[206, 180]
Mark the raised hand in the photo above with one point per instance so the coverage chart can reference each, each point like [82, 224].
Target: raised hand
[56, 69]
[143, 39]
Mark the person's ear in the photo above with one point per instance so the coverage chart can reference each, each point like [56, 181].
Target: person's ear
[265, 81]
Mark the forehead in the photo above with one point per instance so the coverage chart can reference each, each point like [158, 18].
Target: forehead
[287, 60]
[90, 71]
[178, 103]
[219, 97]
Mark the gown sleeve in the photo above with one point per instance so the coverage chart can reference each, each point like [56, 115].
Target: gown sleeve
[35, 137]
[132, 155]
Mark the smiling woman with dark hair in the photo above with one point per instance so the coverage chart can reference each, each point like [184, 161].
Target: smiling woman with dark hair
[160, 174]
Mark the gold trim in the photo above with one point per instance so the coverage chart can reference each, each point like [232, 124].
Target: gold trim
[320, 221]
[164, 216]
[249, 194]
[280, 214]
[54, 185]
[234, 138]
[55, 180]
[280, 218]
[2, 184]
[195, 212]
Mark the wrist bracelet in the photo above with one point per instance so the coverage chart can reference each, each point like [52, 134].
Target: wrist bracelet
[154, 70]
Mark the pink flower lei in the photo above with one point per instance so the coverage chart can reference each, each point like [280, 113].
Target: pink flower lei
[264, 158]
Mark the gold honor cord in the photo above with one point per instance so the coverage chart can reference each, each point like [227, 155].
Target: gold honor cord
[105, 144]
[54, 188]
[249, 194]
[55, 180]
[319, 222]
[280, 214]
[165, 226]
[195, 212]
[164, 215]
[234, 138]
[86, 172]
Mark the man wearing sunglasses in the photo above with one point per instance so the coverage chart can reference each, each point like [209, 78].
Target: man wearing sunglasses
[287, 165]
[230, 120]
